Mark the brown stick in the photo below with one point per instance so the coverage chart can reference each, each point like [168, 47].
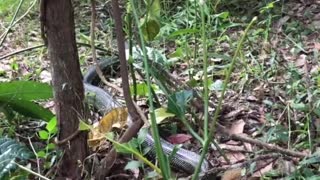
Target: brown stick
[288, 152]
[109, 160]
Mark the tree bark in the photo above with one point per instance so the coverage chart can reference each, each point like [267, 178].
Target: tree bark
[67, 83]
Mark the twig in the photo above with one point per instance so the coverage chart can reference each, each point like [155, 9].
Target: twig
[109, 160]
[42, 45]
[244, 164]
[121, 176]
[21, 17]
[11, 23]
[268, 146]
[21, 51]
[93, 49]
[36, 155]
[32, 172]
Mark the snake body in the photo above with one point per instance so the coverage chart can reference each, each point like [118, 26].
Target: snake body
[182, 160]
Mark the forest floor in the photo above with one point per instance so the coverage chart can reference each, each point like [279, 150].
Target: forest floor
[273, 96]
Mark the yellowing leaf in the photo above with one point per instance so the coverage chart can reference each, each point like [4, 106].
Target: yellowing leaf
[95, 138]
[162, 114]
[115, 118]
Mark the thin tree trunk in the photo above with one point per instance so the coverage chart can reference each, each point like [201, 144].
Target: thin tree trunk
[67, 82]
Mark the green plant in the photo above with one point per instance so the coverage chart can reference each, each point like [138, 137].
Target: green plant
[19, 96]
[49, 153]
[12, 152]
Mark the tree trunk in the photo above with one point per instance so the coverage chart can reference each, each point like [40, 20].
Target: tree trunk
[67, 83]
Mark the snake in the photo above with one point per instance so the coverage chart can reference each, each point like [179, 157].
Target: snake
[182, 159]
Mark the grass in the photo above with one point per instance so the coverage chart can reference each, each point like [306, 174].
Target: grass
[271, 78]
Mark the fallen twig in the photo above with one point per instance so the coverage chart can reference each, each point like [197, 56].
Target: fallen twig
[267, 146]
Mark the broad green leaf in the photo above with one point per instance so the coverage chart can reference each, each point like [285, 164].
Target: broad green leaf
[52, 125]
[142, 89]
[162, 114]
[178, 101]
[133, 165]
[43, 134]
[150, 28]
[154, 9]
[25, 90]
[27, 108]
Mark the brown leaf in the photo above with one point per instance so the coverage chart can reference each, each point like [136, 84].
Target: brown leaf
[179, 138]
[317, 45]
[264, 170]
[237, 127]
[301, 61]
[262, 117]
[234, 157]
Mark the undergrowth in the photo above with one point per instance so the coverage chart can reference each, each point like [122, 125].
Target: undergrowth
[273, 91]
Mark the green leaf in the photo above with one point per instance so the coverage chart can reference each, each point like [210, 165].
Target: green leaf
[51, 146]
[27, 108]
[183, 32]
[178, 101]
[154, 9]
[25, 90]
[11, 152]
[84, 126]
[142, 135]
[299, 106]
[52, 125]
[222, 15]
[217, 85]
[174, 151]
[43, 134]
[161, 114]
[124, 148]
[177, 54]
[133, 165]
[142, 89]
[315, 158]
[150, 28]
[41, 154]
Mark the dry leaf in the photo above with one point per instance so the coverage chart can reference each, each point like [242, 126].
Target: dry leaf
[301, 61]
[234, 157]
[179, 138]
[237, 127]
[317, 45]
[115, 118]
[264, 170]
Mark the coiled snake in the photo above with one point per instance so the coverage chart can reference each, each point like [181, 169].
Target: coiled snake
[182, 160]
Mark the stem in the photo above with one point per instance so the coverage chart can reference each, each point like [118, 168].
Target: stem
[11, 23]
[136, 154]
[31, 172]
[159, 151]
[205, 67]
[217, 111]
